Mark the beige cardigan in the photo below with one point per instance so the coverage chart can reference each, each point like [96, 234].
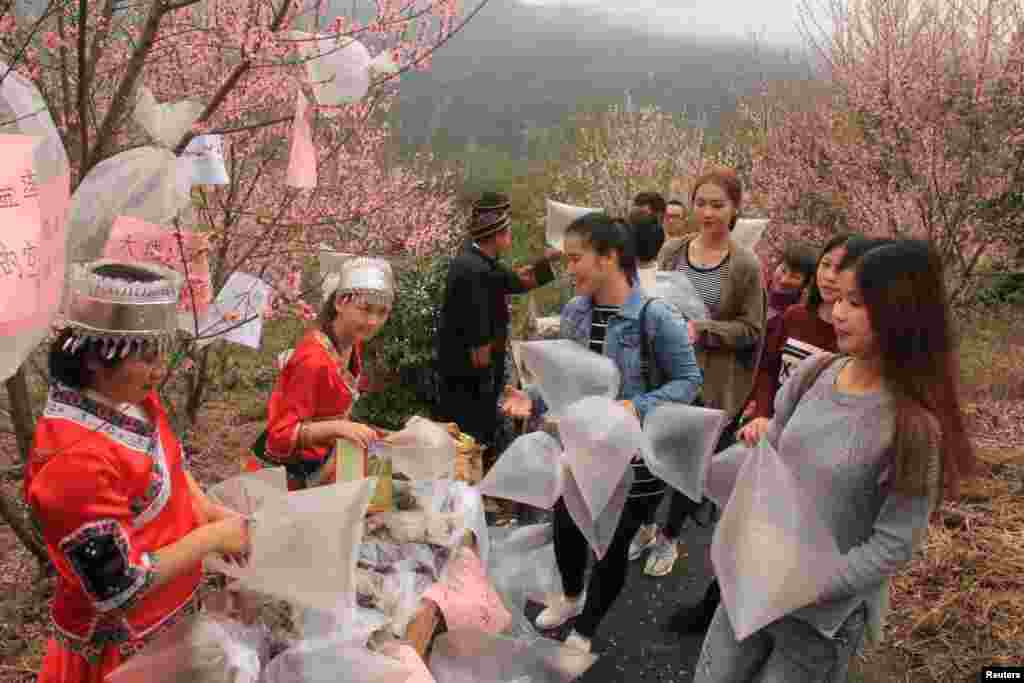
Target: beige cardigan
[731, 343]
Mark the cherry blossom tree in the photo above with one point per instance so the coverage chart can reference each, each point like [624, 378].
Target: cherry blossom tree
[919, 133]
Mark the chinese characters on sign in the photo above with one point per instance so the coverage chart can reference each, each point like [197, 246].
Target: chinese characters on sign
[32, 242]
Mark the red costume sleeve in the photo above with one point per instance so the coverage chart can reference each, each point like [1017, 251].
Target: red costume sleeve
[87, 523]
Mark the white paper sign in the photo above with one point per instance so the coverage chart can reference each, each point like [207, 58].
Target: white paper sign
[206, 152]
[236, 315]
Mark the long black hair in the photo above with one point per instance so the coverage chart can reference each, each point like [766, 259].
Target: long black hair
[606, 235]
[813, 293]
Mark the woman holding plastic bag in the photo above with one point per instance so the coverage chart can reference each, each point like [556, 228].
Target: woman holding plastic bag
[612, 316]
[310, 406]
[872, 437]
[125, 524]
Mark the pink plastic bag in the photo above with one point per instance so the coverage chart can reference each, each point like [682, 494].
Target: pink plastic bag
[530, 471]
[682, 440]
[771, 552]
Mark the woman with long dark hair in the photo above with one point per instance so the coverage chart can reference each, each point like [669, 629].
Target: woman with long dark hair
[125, 524]
[313, 398]
[874, 435]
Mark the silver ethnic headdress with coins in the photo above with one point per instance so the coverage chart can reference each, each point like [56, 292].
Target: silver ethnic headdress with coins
[330, 269]
[369, 279]
[120, 315]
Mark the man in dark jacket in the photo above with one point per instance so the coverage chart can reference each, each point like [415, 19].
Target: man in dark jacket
[475, 316]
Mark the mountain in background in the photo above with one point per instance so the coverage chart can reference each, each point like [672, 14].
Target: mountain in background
[516, 67]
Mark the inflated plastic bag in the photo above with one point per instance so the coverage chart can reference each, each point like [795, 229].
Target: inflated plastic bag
[530, 471]
[423, 449]
[771, 552]
[26, 323]
[523, 568]
[147, 183]
[723, 471]
[244, 493]
[682, 439]
[676, 289]
[338, 69]
[199, 649]
[600, 438]
[598, 530]
[566, 372]
[475, 657]
[304, 544]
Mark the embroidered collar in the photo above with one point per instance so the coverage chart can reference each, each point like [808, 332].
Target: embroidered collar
[73, 397]
[346, 370]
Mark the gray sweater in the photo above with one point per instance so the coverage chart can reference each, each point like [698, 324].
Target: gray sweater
[838, 447]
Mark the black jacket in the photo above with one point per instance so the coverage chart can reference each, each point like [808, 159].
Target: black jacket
[475, 309]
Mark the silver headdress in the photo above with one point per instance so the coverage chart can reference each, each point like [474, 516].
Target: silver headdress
[330, 269]
[371, 279]
[120, 315]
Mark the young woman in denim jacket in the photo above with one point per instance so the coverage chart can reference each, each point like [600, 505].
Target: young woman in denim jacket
[605, 316]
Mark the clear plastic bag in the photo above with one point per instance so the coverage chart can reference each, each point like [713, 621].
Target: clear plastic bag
[566, 372]
[531, 471]
[600, 530]
[523, 568]
[560, 216]
[771, 552]
[600, 438]
[676, 289]
[200, 649]
[166, 123]
[329, 661]
[151, 184]
[682, 439]
[423, 449]
[475, 657]
[723, 471]
[748, 231]
[339, 73]
[304, 544]
[456, 498]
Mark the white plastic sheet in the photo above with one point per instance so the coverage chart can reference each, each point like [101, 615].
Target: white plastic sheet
[530, 471]
[772, 554]
[23, 112]
[200, 649]
[236, 315]
[682, 439]
[600, 438]
[151, 184]
[165, 123]
[245, 493]
[423, 449]
[566, 372]
[560, 217]
[304, 544]
[676, 289]
[523, 567]
[329, 661]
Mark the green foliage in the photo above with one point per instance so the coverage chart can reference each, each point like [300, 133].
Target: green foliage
[391, 407]
[1004, 288]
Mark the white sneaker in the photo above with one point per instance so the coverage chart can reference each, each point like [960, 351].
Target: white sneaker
[644, 539]
[560, 611]
[663, 557]
[577, 642]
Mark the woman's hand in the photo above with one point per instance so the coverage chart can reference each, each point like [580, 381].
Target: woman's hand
[359, 434]
[516, 403]
[233, 537]
[691, 329]
[628, 405]
[754, 431]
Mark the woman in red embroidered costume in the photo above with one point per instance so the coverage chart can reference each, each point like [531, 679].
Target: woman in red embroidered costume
[314, 395]
[125, 524]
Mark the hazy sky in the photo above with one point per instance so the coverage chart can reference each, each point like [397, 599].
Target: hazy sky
[777, 18]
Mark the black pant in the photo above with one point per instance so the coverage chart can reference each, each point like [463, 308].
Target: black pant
[471, 400]
[609, 576]
[679, 506]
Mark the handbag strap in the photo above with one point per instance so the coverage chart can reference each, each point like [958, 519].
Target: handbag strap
[648, 359]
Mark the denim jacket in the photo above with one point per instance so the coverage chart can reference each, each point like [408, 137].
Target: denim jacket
[676, 364]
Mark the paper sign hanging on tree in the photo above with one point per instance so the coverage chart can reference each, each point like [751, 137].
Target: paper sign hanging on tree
[32, 241]
[206, 153]
[236, 315]
[467, 598]
[302, 158]
[137, 240]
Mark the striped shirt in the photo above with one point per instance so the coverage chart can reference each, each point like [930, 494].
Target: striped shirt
[599, 326]
[707, 281]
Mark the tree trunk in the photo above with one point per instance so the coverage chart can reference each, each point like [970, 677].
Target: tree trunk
[10, 514]
[21, 411]
[197, 387]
